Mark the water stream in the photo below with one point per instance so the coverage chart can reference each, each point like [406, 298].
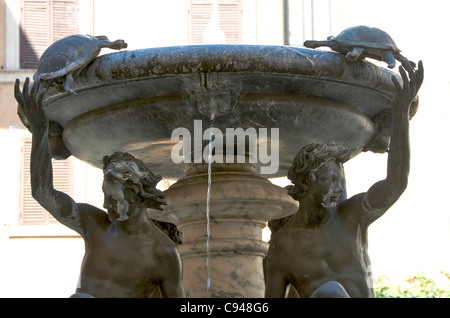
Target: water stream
[208, 218]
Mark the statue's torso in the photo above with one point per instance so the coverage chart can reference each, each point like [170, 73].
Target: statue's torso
[120, 265]
[329, 252]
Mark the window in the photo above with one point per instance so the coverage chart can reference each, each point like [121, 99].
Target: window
[42, 23]
[229, 11]
[31, 212]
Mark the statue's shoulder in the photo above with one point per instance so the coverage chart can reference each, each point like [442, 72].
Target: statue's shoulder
[90, 209]
[352, 209]
[354, 202]
[91, 215]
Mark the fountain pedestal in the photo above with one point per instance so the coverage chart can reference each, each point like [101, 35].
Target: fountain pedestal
[241, 202]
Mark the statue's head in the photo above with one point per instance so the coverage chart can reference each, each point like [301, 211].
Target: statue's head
[317, 169]
[127, 180]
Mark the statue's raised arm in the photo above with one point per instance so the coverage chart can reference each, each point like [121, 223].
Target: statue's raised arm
[383, 194]
[31, 112]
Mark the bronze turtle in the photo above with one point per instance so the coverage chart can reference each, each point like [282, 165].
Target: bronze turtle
[362, 41]
[68, 56]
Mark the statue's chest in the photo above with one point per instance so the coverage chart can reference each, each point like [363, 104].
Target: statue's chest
[122, 252]
[325, 244]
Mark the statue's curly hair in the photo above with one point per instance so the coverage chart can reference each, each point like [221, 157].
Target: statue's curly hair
[136, 176]
[307, 161]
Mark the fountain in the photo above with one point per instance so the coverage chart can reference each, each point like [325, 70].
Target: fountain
[133, 101]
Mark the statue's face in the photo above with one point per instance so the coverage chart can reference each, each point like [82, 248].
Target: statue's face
[116, 201]
[328, 185]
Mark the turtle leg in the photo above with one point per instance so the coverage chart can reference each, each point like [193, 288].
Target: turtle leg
[355, 55]
[68, 81]
[389, 58]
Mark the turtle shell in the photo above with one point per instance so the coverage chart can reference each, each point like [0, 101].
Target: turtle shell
[66, 55]
[364, 36]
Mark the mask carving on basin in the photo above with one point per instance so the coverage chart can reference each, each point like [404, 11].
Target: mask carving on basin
[213, 94]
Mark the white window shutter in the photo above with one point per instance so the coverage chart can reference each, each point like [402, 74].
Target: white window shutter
[42, 23]
[230, 13]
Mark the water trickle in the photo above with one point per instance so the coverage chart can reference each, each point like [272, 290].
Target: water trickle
[208, 218]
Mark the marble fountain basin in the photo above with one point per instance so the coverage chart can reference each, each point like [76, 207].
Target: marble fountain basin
[132, 100]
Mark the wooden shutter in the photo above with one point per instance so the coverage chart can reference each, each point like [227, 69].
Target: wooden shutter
[42, 23]
[230, 19]
[64, 19]
[34, 31]
[32, 212]
[200, 12]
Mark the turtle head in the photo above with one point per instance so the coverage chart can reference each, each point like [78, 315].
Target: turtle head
[118, 44]
[389, 58]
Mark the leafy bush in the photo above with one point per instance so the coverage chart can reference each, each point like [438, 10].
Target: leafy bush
[418, 286]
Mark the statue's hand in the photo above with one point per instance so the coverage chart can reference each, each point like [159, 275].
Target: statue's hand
[30, 110]
[406, 94]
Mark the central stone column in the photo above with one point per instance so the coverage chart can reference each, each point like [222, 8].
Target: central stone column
[241, 202]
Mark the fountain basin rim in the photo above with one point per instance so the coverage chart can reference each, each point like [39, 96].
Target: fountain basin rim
[207, 59]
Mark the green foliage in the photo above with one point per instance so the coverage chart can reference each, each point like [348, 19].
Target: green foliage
[418, 286]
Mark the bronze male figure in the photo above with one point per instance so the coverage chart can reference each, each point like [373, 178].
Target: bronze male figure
[126, 254]
[322, 250]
